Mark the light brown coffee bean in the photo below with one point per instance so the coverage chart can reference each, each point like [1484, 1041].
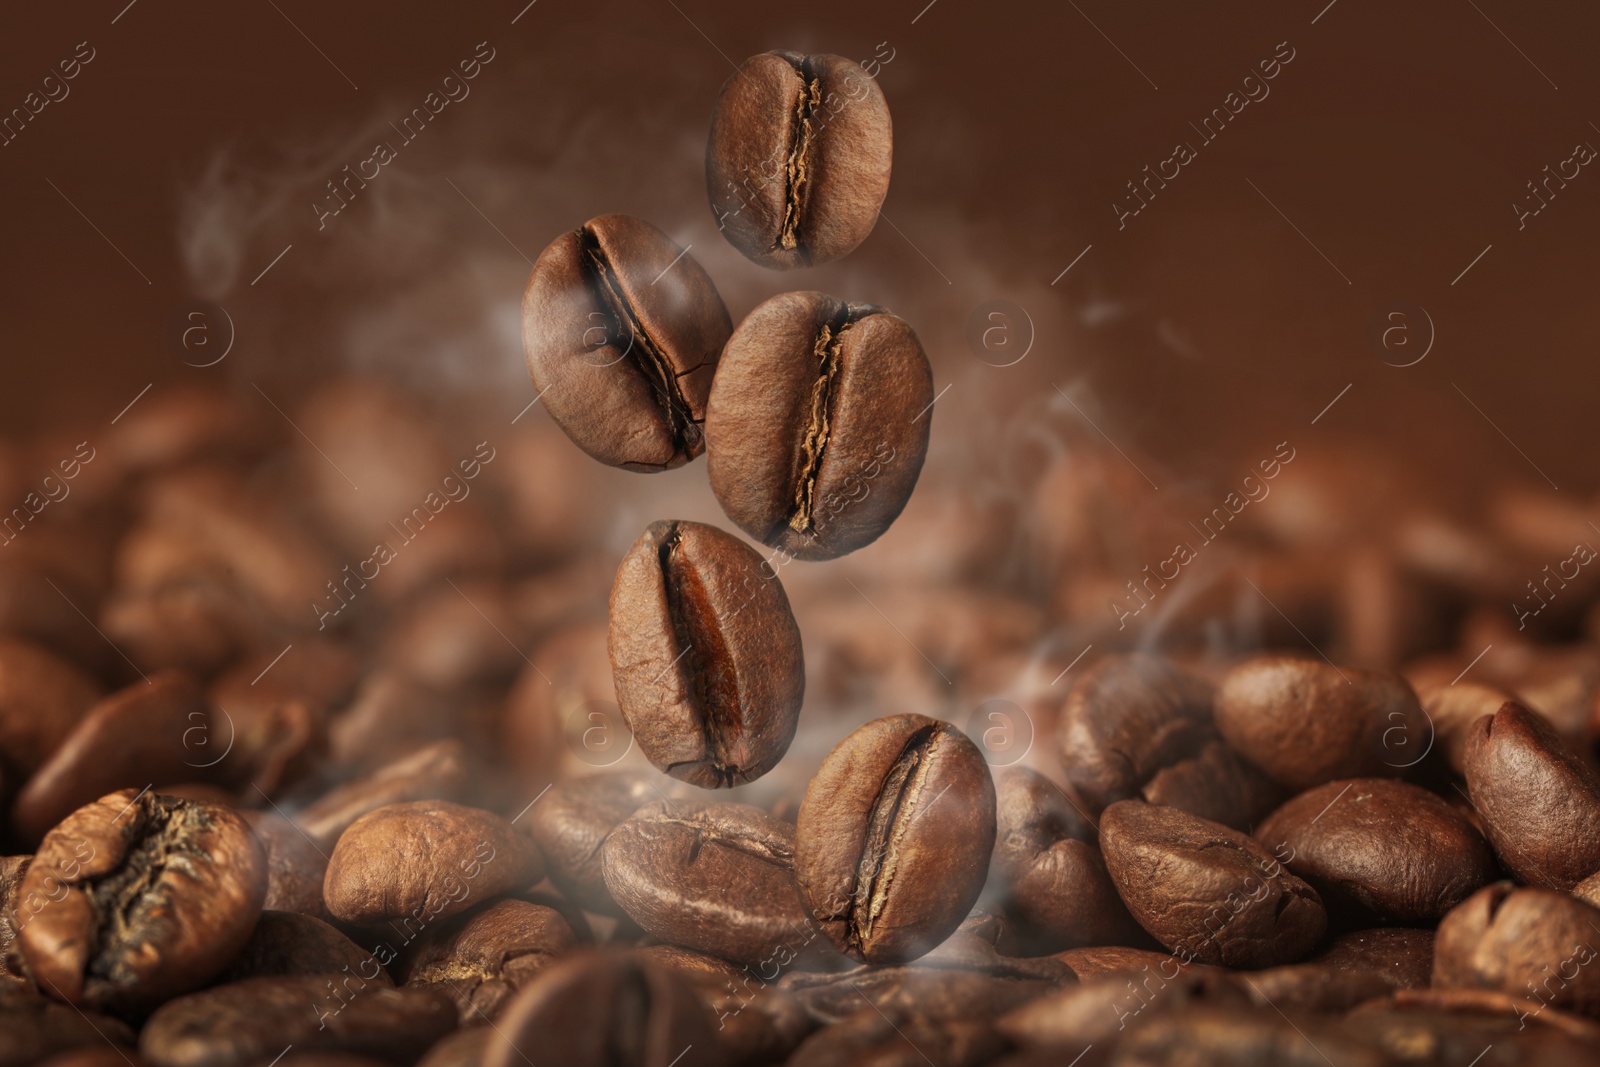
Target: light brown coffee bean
[425, 860]
[483, 957]
[1533, 943]
[799, 156]
[705, 654]
[622, 330]
[432, 772]
[1215, 784]
[818, 423]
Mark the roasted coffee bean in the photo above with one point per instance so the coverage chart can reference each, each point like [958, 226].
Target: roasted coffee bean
[757, 1022]
[33, 1027]
[1088, 963]
[425, 860]
[570, 824]
[1377, 847]
[295, 866]
[433, 772]
[1216, 784]
[462, 1048]
[602, 1008]
[142, 897]
[252, 1021]
[1313, 987]
[569, 698]
[1106, 1005]
[1245, 1037]
[1126, 718]
[286, 942]
[1052, 879]
[1454, 1025]
[117, 1056]
[1587, 890]
[1306, 722]
[42, 697]
[716, 878]
[798, 161]
[1206, 892]
[1526, 942]
[142, 732]
[1539, 802]
[818, 423]
[705, 654]
[903, 1039]
[1403, 957]
[622, 330]
[482, 958]
[886, 868]
[12, 917]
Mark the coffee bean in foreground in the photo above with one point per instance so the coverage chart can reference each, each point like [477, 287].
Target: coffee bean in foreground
[139, 897]
[622, 330]
[894, 837]
[1534, 943]
[818, 423]
[705, 654]
[1208, 893]
[799, 157]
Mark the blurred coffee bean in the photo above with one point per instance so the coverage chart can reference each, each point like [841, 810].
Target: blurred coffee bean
[1090, 962]
[194, 626]
[717, 878]
[137, 734]
[455, 636]
[393, 714]
[1206, 892]
[12, 868]
[1306, 722]
[1452, 709]
[887, 870]
[180, 424]
[622, 331]
[561, 707]
[799, 156]
[272, 712]
[425, 860]
[1052, 880]
[433, 772]
[1382, 848]
[32, 1028]
[483, 957]
[295, 866]
[603, 1008]
[1525, 942]
[1126, 718]
[1454, 1025]
[817, 424]
[252, 1021]
[1383, 614]
[1245, 1037]
[901, 1040]
[570, 823]
[30, 610]
[461, 1048]
[1540, 803]
[286, 942]
[1404, 958]
[112, 1056]
[705, 654]
[42, 697]
[934, 992]
[1588, 890]
[1313, 987]
[1215, 784]
[140, 897]
[550, 492]
[1106, 1005]
[757, 1022]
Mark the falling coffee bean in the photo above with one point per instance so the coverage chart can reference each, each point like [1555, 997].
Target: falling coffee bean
[146, 896]
[1208, 893]
[894, 837]
[799, 157]
[622, 330]
[705, 654]
[818, 423]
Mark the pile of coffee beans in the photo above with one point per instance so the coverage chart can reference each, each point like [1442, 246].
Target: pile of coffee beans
[440, 771]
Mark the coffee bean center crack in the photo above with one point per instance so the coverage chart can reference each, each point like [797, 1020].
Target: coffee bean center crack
[704, 663]
[802, 138]
[902, 787]
[643, 354]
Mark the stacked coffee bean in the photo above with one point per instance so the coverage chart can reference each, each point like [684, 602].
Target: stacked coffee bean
[313, 788]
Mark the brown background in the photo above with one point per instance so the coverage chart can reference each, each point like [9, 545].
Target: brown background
[1396, 141]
